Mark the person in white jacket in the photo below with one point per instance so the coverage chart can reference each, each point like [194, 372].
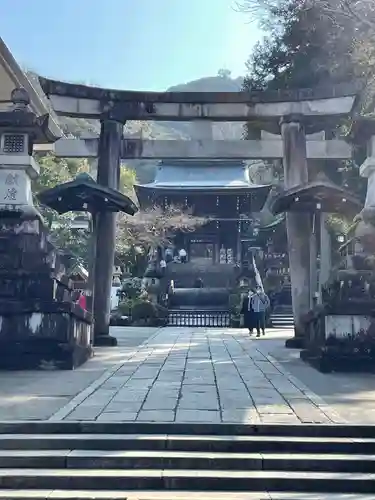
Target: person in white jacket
[259, 305]
[183, 255]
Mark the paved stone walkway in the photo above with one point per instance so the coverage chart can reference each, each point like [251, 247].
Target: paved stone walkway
[198, 375]
[36, 395]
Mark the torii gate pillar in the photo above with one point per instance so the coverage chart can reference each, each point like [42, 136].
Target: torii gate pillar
[298, 224]
[105, 230]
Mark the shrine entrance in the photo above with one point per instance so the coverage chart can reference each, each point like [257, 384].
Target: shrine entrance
[288, 125]
[201, 252]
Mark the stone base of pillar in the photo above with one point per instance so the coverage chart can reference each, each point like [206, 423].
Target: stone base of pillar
[105, 341]
[40, 325]
[295, 343]
[46, 337]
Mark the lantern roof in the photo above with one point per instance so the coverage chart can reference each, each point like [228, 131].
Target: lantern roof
[84, 194]
[316, 196]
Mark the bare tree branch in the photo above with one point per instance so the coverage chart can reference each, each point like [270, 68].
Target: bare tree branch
[362, 12]
[154, 227]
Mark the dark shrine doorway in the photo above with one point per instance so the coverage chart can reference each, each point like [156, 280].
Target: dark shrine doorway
[201, 252]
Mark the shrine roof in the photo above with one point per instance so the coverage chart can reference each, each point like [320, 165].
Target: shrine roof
[202, 176]
[317, 196]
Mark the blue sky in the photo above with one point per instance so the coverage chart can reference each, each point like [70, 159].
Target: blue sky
[135, 44]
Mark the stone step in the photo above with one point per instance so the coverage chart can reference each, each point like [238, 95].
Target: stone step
[282, 316]
[282, 320]
[37, 494]
[201, 443]
[24, 428]
[203, 480]
[151, 495]
[127, 459]
[289, 323]
[35, 430]
[100, 460]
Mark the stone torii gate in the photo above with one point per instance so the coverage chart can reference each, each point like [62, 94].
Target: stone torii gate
[294, 116]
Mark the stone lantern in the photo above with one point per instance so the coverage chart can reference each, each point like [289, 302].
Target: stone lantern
[40, 327]
[116, 279]
[152, 282]
[19, 128]
[84, 194]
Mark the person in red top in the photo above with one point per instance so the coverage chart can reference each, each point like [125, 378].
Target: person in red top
[79, 299]
[82, 301]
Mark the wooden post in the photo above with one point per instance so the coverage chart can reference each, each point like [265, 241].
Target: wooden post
[91, 266]
[108, 175]
[298, 224]
[325, 253]
[313, 257]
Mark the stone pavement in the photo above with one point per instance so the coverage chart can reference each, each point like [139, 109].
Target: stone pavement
[198, 375]
[36, 395]
[352, 395]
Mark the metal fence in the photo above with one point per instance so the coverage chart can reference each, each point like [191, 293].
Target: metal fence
[199, 318]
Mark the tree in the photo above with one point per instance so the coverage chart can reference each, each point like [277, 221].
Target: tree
[361, 15]
[128, 178]
[54, 171]
[224, 73]
[361, 12]
[149, 229]
[305, 45]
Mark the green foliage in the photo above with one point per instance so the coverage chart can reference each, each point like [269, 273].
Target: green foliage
[128, 178]
[224, 73]
[132, 295]
[125, 307]
[308, 43]
[302, 48]
[131, 288]
[148, 313]
[235, 303]
[55, 171]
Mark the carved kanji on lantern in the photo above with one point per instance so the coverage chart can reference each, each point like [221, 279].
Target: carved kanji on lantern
[11, 194]
[11, 179]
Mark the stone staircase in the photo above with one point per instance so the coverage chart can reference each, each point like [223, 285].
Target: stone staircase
[282, 313]
[282, 317]
[81, 460]
[213, 275]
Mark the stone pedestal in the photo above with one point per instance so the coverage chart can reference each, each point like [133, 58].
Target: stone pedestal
[40, 327]
[339, 333]
[298, 224]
